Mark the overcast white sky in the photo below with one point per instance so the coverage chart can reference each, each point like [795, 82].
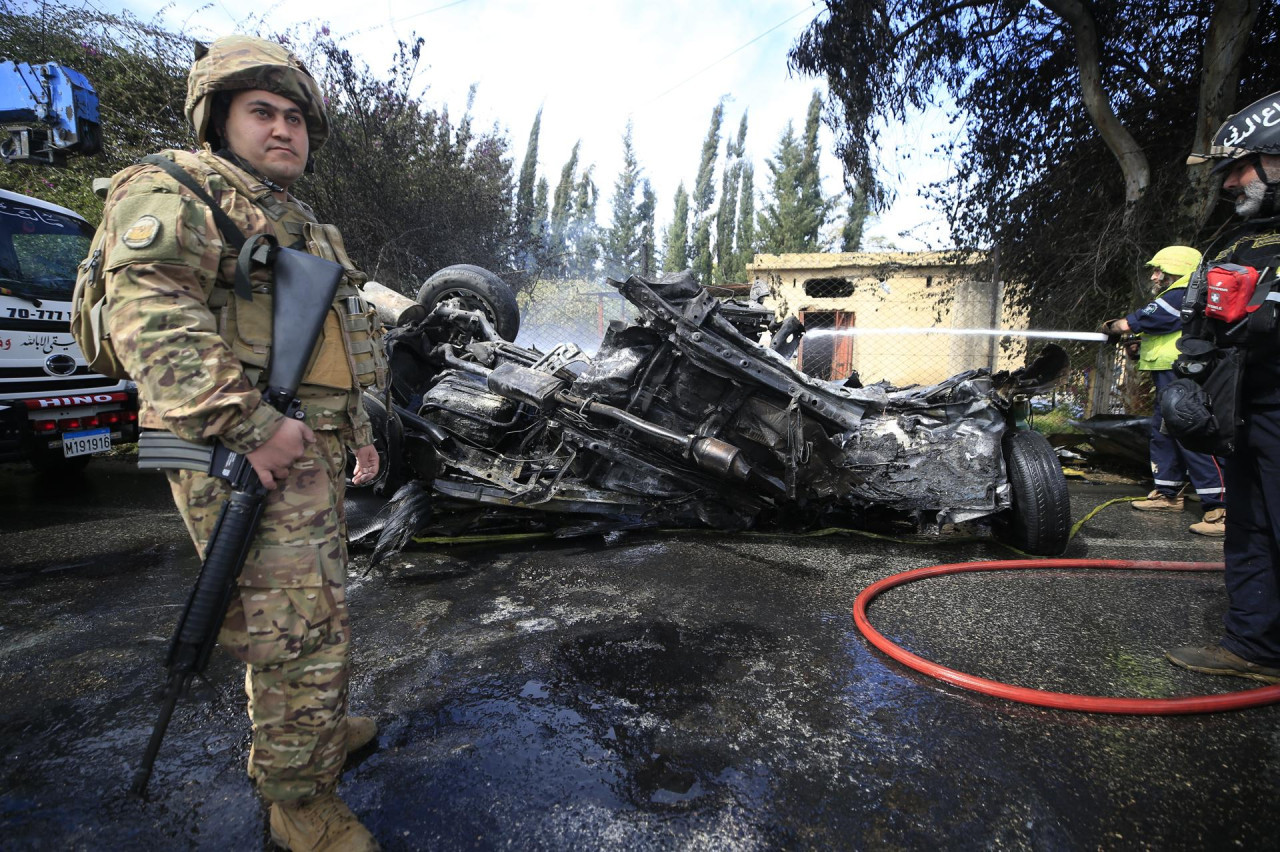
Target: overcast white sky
[591, 65]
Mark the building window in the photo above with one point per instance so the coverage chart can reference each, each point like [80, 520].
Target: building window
[828, 288]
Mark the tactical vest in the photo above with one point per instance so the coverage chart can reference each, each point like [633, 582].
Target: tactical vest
[350, 345]
[1159, 351]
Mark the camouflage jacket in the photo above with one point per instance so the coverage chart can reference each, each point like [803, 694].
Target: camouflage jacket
[167, 272]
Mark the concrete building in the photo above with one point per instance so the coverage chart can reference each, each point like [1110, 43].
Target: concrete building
[901, 316]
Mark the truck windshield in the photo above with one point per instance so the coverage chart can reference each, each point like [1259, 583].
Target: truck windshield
[39, 250]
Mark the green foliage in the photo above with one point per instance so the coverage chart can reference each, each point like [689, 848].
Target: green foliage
[675, 251]
[648, 264]
[793, 218]
[855, 221]
[562, 203]
[1034, 174]
[573, 241]
[746, 237]
[704, 189]
[621, 243]
[1056, 421]
[529, 216]
[539, 225]
[727, 268]
[411, 190]
[703, 261]
[789, 222]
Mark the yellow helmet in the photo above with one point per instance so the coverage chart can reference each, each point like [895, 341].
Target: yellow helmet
[240, 62]
[1176, 260]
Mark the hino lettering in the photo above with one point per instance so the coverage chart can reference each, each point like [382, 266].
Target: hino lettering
[67, 401]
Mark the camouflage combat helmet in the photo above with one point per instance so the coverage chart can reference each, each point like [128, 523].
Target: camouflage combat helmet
[241, 62]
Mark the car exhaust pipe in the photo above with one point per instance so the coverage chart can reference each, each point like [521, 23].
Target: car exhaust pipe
[393, 309]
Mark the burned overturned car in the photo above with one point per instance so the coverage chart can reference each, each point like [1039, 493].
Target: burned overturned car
[682, 418]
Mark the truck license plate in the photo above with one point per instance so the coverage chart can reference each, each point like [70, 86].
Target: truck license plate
[84, 443]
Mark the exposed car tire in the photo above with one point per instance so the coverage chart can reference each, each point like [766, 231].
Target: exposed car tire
[54, 463]
[388, 439]
[478, 289]
[1039, 522]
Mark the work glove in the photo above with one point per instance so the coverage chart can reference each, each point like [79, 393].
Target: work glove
[1112, 330]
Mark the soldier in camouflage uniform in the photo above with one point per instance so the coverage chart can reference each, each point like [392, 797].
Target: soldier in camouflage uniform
[197, 352]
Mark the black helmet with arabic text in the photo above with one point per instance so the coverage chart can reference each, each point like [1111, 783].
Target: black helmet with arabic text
[1253, 130]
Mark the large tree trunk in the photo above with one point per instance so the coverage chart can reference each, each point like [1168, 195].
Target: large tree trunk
[1224, 50]
[1132, 159]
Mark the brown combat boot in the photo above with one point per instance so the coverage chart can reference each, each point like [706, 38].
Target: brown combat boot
[1217, 660]
[360, 732]
[1214, 523]
[1157, 502]
[322, 824]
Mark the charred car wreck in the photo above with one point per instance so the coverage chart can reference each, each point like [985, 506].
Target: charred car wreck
[683, 419]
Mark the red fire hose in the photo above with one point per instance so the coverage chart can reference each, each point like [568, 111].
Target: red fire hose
[1043, 698]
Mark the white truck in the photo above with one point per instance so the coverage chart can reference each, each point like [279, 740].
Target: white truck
[54, 412]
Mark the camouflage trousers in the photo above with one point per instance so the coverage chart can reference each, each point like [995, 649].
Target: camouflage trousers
[288, 622]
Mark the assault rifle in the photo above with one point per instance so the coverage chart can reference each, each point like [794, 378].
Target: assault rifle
[305, 286]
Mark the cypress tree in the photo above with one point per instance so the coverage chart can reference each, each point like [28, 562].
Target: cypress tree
[795, 212]
[583, 238]
[855, 220]
[561, 214]
[726, 215]
[784, 225]
[675, 253]
[704, 191]
[704, 195]
[538, 228]
[648, 241]
[703, 262]
[810, 175]
[746, 238]
[525, 237]
[622, 240]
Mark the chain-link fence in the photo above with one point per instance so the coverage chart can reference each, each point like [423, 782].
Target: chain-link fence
[555, 312]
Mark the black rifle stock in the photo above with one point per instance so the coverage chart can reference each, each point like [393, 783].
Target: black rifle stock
[305, 286]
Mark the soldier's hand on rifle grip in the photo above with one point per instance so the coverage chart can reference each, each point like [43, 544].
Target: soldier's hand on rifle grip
[366, 465]
[272, 460]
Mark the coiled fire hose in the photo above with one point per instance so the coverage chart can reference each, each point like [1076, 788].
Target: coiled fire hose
[1043, 698]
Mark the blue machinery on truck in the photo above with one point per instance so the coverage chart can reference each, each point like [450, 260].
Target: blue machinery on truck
[46, 112]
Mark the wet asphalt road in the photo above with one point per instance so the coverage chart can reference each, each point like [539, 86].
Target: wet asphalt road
[668, 691]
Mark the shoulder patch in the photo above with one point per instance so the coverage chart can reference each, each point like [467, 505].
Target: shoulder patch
[142, 233]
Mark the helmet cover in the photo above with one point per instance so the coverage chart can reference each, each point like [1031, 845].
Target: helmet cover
[238, 62]
[1176, 260]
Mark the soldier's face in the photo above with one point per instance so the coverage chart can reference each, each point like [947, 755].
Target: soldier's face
[269, 132]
